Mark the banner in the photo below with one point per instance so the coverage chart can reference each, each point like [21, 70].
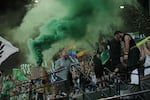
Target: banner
[6, 49]
[38, 73]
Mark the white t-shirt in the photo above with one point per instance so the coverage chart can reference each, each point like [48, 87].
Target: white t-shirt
[135, 77]
[146, 64]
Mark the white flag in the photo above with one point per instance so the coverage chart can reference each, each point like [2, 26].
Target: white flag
[6, 49]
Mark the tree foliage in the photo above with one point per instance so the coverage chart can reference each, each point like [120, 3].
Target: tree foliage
[136, 19]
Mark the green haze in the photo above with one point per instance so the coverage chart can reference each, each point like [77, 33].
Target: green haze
[82, 16]
[72, 26]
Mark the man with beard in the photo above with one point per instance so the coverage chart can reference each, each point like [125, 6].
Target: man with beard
[131, 53]
[115, 52]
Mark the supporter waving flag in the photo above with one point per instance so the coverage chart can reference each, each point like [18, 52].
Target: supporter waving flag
[6, 49]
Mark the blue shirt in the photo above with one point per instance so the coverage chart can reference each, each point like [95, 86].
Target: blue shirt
[65, 68]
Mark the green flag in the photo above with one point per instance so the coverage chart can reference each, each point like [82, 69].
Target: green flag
[105, 56]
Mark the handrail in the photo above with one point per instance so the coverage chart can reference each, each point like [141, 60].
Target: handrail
[120, 80]
[124, 95]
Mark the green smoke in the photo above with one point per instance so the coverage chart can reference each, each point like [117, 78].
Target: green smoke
[84, 19]
[73, 25]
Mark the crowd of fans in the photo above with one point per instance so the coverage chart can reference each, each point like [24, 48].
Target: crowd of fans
[75, 72]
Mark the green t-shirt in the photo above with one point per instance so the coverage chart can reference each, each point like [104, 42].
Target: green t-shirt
[7, 86]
